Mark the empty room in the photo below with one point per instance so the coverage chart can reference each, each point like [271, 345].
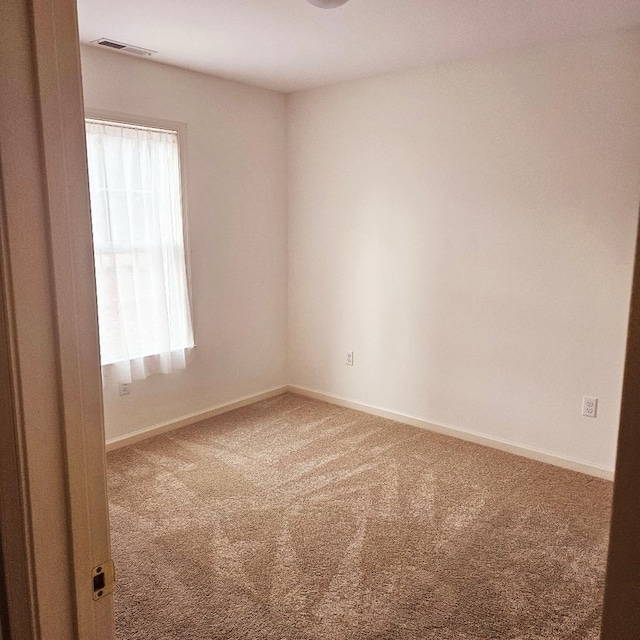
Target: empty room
[357, 342]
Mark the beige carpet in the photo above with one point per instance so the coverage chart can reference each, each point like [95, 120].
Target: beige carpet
[297, 519]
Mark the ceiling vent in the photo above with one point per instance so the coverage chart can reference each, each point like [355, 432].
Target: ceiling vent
[125, 48]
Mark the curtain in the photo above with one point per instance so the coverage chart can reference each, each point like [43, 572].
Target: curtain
[141, 279]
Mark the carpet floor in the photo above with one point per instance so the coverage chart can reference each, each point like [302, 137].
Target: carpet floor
[295, 519]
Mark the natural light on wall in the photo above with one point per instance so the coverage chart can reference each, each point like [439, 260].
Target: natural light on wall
[141, 277]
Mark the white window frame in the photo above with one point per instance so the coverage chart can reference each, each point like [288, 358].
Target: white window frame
[117, 117]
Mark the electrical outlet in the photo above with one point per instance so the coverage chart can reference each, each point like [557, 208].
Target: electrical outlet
[589, 407]
[349, 360]
[124, 389]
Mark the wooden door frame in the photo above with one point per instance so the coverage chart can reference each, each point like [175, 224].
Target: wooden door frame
[4, 611]
[621, 609]
[53, 508]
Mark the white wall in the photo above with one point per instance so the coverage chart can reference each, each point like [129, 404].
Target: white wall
[237, 228]
[468, 230]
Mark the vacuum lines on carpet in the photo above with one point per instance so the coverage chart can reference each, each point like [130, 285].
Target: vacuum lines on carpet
[295, 519]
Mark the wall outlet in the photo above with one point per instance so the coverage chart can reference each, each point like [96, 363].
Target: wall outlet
[124, 389]
[589, 407]
[349, 360]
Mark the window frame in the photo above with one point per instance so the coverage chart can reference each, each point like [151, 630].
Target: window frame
[117, 117]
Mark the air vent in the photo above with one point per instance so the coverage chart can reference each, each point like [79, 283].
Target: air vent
[125, 48]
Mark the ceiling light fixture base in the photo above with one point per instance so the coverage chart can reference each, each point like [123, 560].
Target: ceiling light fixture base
[327, 4]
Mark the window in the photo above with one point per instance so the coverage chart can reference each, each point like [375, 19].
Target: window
[138, 236]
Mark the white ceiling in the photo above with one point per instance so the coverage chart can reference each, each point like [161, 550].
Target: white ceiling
[290, 45]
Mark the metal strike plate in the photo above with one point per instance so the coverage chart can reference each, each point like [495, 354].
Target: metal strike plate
[104, 580]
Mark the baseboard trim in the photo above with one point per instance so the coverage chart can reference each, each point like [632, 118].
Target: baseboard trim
[455, 432]
[191, 418]
[463, 434]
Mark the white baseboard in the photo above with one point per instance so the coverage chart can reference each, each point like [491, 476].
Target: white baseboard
[496, 443]
[191, 418]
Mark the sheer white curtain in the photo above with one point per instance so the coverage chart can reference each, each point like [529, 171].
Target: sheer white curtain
[141, 280]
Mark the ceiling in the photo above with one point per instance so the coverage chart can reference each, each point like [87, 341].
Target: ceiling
[289, 45]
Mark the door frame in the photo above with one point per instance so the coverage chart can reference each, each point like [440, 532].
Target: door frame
[621, 607]
[54, 522]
